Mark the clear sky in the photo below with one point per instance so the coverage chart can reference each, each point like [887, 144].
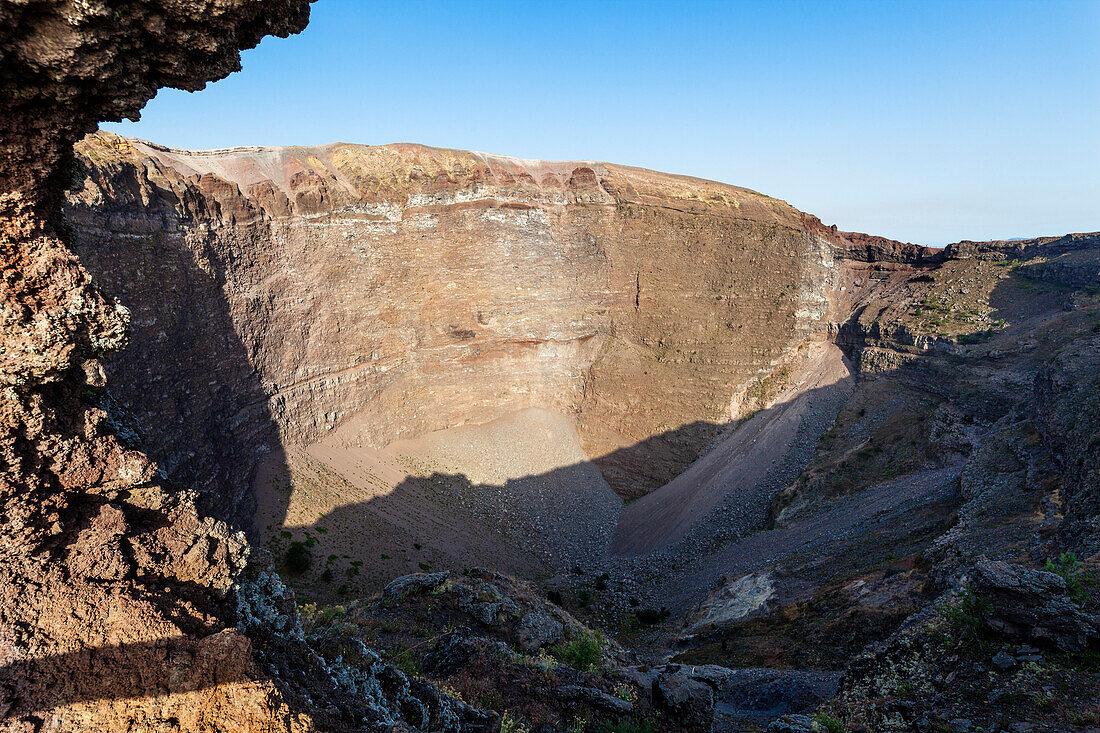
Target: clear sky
[924, 121]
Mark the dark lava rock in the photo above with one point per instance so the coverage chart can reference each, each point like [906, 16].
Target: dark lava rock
[595, 698]
[1032, 604]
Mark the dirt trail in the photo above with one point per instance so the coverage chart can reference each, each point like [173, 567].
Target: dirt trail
[736, 470]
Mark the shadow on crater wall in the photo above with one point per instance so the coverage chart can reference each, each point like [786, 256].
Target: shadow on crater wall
[188, 380]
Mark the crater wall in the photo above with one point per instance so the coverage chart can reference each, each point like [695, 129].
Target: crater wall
[401, 289]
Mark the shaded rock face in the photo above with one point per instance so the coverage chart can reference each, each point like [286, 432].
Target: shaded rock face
[1067, 413]
[114, 591]
[121, 607]
[1032, 603]
[396, 290]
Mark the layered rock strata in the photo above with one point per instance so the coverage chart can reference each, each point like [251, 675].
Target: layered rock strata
[401, 289]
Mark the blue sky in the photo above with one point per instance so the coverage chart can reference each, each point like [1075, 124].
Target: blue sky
[924, 121]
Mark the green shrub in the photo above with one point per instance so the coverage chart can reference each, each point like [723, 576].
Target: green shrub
[967, 616]
[626, 691]
[1072, 571]
[831, 724]
[975, 338]
[584, 651]
[297, 558]
[407, 663]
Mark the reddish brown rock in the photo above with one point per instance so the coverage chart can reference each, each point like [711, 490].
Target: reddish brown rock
[95, 635]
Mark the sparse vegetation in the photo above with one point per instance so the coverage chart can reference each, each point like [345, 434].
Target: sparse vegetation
[1073, 572]
[977, 337]
[510, 723]
[628, 725]
[966, 614]
[407, 663]
[626, 691]
[583, 652]
[831, 724]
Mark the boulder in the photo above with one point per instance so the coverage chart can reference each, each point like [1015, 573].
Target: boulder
[686, 698]
[407, 584]
[596, 698]
[536, 630]
[1004, 661]
[1032, 604]
[452, 653]
[750, 692]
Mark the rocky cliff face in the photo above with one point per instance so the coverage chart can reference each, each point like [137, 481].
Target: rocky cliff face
[119, 602]
[402, 289]
[103, 568]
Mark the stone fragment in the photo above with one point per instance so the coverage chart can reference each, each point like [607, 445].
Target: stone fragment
[1004, 661]
[416, 583]
[536, 630]
[595, 698]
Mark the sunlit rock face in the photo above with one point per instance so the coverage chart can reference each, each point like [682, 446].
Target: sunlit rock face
[279, 293]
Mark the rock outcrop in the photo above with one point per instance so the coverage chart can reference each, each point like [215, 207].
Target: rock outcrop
[1033, 605]
[979, 637]
[119, 607]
